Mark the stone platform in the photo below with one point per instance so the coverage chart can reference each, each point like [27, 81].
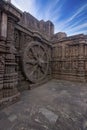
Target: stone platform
[56, 105]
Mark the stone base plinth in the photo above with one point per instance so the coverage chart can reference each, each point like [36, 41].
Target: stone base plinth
[32, 86]
[9, 100]
[75, 78]
[9, 92]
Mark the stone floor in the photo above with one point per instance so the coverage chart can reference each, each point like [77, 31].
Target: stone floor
[56, 105]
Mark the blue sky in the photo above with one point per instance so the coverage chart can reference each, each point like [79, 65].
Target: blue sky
[68, 16]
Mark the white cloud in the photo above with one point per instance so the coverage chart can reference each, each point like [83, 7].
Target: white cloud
[79, 11]
[77, 32]
[50, 12]
[72, 24]
[78, 28]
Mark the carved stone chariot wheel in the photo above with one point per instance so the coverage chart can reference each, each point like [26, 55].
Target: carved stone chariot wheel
[35, 62]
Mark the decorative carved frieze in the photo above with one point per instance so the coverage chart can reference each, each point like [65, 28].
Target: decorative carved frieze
[73, 60]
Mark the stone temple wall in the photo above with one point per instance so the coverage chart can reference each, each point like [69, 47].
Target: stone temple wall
[8, 76]
[28, 21]
[19, 38]
[69, 58]
[31, 54]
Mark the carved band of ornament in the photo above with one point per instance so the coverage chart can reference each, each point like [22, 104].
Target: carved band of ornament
[11, 81]
[10, 85]
[11, 78]
[14, 75]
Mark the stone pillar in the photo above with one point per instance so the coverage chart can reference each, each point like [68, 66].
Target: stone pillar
[81, 62]
[11, 78]
[3, 34]
[4, 25]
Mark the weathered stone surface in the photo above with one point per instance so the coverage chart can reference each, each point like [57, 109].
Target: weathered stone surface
[69, 58]
[30, 22]
[55, 56]
[8, 75]
[4, 25]
[56, 105]
[12, 118]
[52, 117]
[59, 36]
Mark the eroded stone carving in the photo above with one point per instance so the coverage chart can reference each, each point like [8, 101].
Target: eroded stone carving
[35, 61]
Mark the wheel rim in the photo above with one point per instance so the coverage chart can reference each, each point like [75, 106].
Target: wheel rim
[35, 62]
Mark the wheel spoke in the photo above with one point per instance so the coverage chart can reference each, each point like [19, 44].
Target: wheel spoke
[38, 73]
[41, 69]
[34, 53]
[33, 62]
[34, 69]
[43, 54]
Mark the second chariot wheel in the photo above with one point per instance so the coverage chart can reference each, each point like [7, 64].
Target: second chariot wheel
[35, 62]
